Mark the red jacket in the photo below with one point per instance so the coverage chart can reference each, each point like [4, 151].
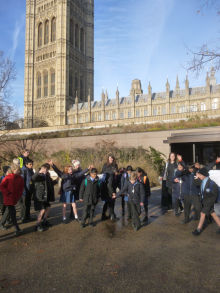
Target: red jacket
[12, 188]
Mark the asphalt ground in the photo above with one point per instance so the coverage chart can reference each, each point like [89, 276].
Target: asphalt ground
[162, 256]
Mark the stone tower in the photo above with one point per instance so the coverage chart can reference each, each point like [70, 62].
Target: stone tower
[59, 59]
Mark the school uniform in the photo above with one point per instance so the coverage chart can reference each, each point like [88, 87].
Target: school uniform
[90, 194]
[178, 188]
[124, 179]
[146, 183]
[108, 168]
[136, 195]
[108, 188]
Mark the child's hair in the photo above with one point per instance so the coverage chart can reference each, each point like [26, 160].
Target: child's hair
[133, 176]
[94, 170]
[139, 170]
[24, 151]
[129, 168]
[190, 166]
[66, 168]
[27, 161]
[76, 162]
[15, 167]
[16, 161]
[115, 170]
[47, 166]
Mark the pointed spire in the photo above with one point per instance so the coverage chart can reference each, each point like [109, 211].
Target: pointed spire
[102, 95]
[106, 95]
[76, 100]
[177, 83]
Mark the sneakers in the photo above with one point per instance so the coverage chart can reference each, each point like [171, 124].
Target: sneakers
[145, 219]
[2, 227]
[8, 222]
[196, 233]
[45, 223]
[64, 221]
[104, 217]
[184, 222]
[136, 228]
[182, 211]
[39, 228]
[82, 225]
[18, 231]
[114, 218]
[77, 219]
[217, 231]
[91, 225]
[169, 210]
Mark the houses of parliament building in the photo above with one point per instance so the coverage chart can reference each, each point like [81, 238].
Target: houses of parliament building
[59, 76]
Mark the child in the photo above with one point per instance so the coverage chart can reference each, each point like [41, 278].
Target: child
[136, 196]
[41, 197]
[178, 188]
[124, 179]
[89, 194]
[4, 209]
[68, 187]
[25, 201]
[209, 194]
[12, 188]
[143, 178]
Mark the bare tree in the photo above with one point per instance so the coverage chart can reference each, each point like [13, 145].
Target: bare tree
[209, 51]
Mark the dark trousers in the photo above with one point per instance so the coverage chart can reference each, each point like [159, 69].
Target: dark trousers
[169, 194]
[146, 210]
[187, 206]
[178, 205]
[129, 208]
[24, 204]
[123, 202]
[110, 205]
[10, 210]
[136, 211]
[2, 208]
[88, 212]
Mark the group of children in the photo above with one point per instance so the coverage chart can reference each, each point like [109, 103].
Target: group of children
[20, 185]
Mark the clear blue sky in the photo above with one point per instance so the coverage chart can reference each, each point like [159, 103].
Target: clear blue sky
[133, 39]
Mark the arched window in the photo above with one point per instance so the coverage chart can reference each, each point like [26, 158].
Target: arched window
[53, 30]
[203, 107]
[70, 84]
[193, 108]
[71, 32]
[39, 86]
[40, 34]
[46, 32]
[214, 104]
[45, 84]
[82, 40]
[52, 83]
[77, 36]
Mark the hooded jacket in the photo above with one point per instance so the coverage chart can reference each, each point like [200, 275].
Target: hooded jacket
[12, 188]
[170, 171]
[43, 187]
[178, 187]
[27, 176]
[90, 192]
[138, 196]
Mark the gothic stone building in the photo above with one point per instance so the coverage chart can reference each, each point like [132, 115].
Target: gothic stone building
[59, 58]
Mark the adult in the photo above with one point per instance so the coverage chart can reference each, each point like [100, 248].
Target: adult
[110, 164]
[167, 174]
[23, 157]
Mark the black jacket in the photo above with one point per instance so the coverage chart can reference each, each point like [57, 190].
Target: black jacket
[124, 180]
[109, 168]
[109, 186]
[78, 182]
[209, 193]
[146, 184]
[69, 181]
[170, 171]
[91, 192]
[137, 196]
[43, 187]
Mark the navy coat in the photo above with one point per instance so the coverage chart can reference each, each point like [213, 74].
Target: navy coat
[178, 187]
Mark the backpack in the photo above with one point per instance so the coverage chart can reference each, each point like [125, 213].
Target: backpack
[21, 162]
[87, 180]
[211, 188]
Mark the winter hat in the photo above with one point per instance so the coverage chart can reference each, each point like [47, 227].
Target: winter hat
[5, 169]
[204, 172]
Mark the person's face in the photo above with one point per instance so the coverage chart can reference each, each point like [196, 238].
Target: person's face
[191, 170]
[25, 154]
[93, 175]
[197, 166]
[110, 159]
[77, 166]
[129, 172]
[70, 170]
[180, 167]
[44, 170]
[17, 172]
[201, 177]
[132, 181]
[172, 157]
[139, 174]
[29, 165]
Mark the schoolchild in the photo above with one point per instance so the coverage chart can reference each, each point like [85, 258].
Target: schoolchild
[89, 194]
[209, 194]
[178, 188]
[25, 201]
[143, 178]
[12, 188]
[23, 157]
[136, 196]
[68, 187]
[124, 179]
[4, 209]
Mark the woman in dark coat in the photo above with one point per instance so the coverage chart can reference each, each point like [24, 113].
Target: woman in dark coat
[167, 174]
[178, 180]
[110, 164]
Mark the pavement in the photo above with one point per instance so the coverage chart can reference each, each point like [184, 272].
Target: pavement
[162, 256]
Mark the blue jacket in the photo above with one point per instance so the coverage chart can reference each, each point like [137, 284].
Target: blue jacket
[27, 176]
[178, 187]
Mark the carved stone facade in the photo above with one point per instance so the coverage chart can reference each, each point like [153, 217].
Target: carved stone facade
[59, 58]
[139, 107]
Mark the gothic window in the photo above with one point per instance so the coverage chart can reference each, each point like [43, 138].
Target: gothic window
[68, 121]
[40, 34]
[82, 40]
[129, 114]
[77, 36]
[145, 112]
[137, 113]
[46, 33]
[70, 84]
[182, 109]
[100, 117]
[73, 120]
[163, 111]
[86, 119]
[214, 104]
[193, 108]
[122, 115]
[71, 32]
[107, 116]
[93, 118]
[173, 110]
[45, 84]
[52, 83]
[154, 111]
[53, 30]
[114, 116]
[80, 119]
[39, 86]
[203, 107]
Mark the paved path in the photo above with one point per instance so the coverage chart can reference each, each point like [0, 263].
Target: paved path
[162, 256]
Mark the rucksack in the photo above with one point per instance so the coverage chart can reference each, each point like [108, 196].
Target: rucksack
[21, 162]
[87, 180]
[211, 188]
